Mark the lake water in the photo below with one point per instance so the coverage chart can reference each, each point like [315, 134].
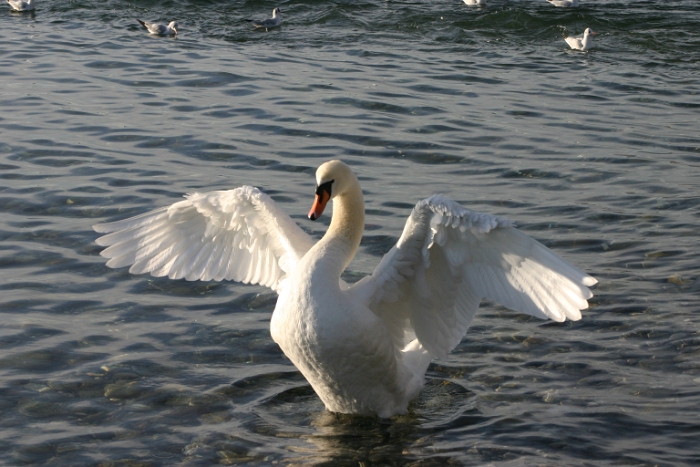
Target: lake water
[595, 154]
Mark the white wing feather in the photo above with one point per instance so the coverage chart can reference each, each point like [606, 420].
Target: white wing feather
[238, 235]
[449, 258]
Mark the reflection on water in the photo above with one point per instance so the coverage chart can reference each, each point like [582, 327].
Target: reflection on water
[595, 154]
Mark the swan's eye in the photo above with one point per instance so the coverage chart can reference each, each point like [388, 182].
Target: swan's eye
[324, 187]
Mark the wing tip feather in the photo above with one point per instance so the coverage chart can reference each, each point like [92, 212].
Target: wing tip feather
[589, 281]
[100, 228]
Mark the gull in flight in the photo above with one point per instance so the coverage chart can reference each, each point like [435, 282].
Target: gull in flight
[268, 23]
[161, 29]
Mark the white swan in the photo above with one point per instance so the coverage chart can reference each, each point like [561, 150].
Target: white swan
[21, 5]
[269, 22]
[564, 3]
[364, 347]
[580, 42]
[161, 29]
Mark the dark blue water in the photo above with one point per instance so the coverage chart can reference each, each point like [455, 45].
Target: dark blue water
[595, 154]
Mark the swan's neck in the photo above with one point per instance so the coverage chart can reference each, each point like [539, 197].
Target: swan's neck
[347, 224]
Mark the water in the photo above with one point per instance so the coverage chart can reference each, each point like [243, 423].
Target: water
[595, 154]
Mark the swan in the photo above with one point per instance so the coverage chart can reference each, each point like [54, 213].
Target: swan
[21, 5]
[269, 22]
[564, 3]
[364, 347]
[580, 42]
[161, 29]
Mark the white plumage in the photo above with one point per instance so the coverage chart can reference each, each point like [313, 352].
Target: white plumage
[21, 5]
[238, 235]
[580, 42]
[160, 29]
[363, 347]
[564, 3]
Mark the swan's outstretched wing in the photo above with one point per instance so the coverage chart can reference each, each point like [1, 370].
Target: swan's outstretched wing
[239, 235]
[449, 258]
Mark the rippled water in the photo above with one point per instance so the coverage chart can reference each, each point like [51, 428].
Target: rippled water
[595, 154]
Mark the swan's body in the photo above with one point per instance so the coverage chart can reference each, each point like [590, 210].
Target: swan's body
[21, 5]
[564, 3]
[365, 347]
[160, 29]
[580, 42]
[268, 23]
[475, 2]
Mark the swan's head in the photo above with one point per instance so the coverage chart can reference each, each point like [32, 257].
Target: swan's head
[333, 178]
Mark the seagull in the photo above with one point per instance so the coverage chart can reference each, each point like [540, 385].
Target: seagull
[563, 3]
[21, 5]
[157, 28]
[363, 347]
[580, 42]
[475, 2]
[269, 22]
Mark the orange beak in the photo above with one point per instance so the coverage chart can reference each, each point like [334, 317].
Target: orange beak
[320, 202]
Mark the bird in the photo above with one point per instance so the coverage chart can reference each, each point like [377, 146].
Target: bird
[21, 5]
[161, 29]
[564, 3]
[475, 2]
[268, 23]
[580, 42]
[363, 347]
